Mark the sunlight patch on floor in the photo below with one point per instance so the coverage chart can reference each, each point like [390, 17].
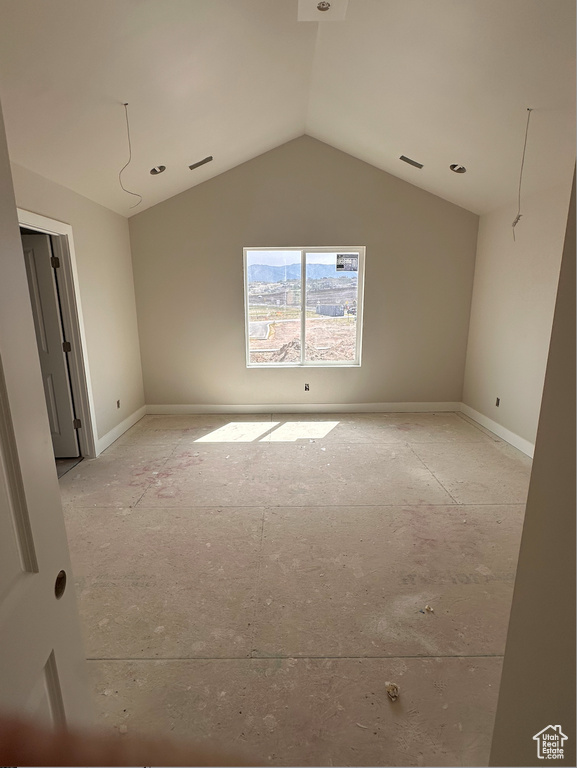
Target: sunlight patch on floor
[291, 431]
[238, 432]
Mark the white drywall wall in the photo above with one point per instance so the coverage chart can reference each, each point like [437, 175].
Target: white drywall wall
[187, 255]
[103, 258]
[512, 309]
[538, 681]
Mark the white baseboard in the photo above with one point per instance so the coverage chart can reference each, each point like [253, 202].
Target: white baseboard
[505, 434]
[305, 408]
[103, 442]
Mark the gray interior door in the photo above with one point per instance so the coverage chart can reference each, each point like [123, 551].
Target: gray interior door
[50, 339]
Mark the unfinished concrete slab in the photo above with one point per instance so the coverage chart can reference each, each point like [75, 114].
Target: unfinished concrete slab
[158, 583]
[409, 427]
[283, 474]
[195, 420]
[223, 474]
[318, 712]
[361, 474]
[432, 428]
[485, 473]
[117, 478]
[340, 581]
[169, 429]
[255, 580]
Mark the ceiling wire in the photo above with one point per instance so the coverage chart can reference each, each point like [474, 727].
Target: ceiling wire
[129, 160]
[519, 214]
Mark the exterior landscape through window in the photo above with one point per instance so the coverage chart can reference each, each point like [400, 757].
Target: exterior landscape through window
[303, 306]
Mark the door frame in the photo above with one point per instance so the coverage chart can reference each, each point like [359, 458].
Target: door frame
[72, 319]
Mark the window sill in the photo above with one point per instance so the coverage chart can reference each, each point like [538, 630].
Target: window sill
[302, 365]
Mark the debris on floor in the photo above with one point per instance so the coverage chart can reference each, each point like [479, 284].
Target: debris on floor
[393, 691]
[429, 609]
[366, 727]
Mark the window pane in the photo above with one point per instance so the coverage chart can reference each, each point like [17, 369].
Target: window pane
[331, 306]
[274, 306]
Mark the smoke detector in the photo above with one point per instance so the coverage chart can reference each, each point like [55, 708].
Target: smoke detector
[322, 10]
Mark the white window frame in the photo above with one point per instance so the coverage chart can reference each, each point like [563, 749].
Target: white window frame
[360, 249]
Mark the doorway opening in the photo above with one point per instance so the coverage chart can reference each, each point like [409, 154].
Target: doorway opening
[42, 268]
[53, 286]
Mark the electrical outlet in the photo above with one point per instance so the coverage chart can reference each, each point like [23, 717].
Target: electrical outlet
[306, 387]
[498, 402]
[118, 403]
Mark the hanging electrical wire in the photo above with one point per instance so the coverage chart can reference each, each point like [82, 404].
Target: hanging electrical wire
[129, 160]
[519, 214]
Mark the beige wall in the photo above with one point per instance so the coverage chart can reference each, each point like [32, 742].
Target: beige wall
[187, 255]
[512, 309]
[103, 258]
[538, 681]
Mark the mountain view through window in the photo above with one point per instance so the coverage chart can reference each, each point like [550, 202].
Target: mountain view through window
[302, 306]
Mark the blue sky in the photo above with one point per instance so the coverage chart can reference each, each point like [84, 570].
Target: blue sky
[282, 258]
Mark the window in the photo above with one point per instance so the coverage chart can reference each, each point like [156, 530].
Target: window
[303, 306]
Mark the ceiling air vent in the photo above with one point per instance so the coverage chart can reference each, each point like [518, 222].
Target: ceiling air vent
[410, 162]
[200, 162]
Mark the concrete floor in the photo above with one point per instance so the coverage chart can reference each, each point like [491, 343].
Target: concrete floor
[255, 580]
[65, 465]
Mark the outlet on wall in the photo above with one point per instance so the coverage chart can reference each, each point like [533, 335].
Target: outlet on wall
[118, 403]
[498, 402]
[306, 387]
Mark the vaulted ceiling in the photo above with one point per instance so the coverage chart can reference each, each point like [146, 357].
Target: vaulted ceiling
[440, 81]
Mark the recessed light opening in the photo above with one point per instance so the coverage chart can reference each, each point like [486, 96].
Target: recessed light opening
[456, 168]
[157, 169]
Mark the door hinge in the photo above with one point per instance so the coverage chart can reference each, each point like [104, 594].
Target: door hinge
[67, 346]
[77, 424]
[55, 262]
